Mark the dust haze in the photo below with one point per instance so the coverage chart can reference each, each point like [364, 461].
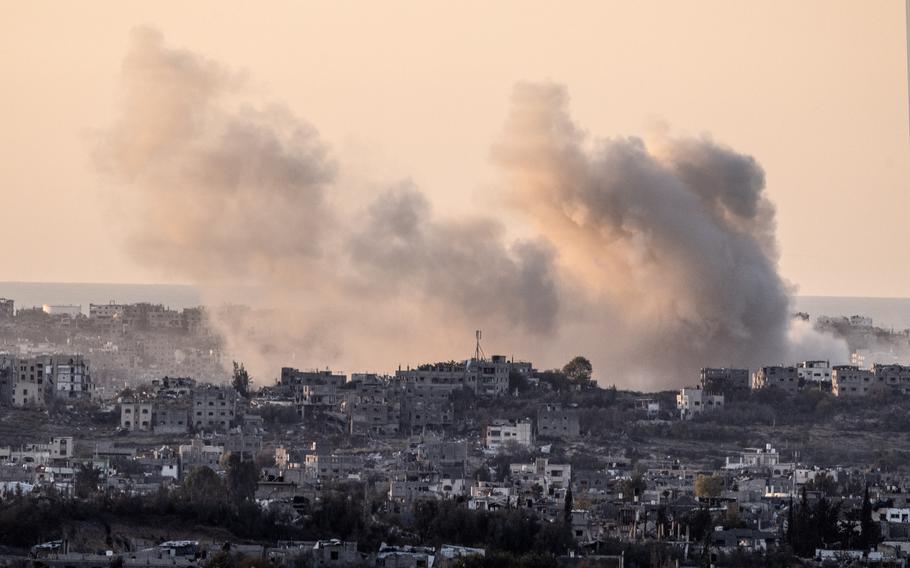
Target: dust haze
[652, 259]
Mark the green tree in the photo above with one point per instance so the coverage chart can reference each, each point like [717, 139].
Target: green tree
[241, 380]
[579, 370]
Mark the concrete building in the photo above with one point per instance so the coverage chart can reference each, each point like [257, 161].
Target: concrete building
[72, 378]
[814, 372]
[726, 381]
[785, 379]
[541, 472]
[851, 381]
[485, 377]
[199, 453]
[33, 381]
[449, 458]
[7, 309]
[106, 313]
[373, 410]
[214, 408]
[501, 432]
[332, 466]
[7, 378]
[291, 377]
[558, 421]
[136, 415]
[693, 401]
[67, 310]
[897, 377]
[171, 418]
[59, 448]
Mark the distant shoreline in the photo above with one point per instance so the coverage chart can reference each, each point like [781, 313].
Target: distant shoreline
[885, 311]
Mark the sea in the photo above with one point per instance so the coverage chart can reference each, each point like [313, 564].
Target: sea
[885, 312]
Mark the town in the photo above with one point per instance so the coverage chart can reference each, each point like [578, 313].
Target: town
[128, 437]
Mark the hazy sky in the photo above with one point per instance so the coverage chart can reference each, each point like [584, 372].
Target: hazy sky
[816, 91]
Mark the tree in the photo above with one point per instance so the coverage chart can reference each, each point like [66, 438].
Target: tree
[87, 479]
[241, 380]
[518, 382]
[242, 477]
[203, 487]
[579, 371]
[633, 487]
[869, 532]
[709, 485]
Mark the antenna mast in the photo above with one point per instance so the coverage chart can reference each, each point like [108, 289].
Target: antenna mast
[478, 351]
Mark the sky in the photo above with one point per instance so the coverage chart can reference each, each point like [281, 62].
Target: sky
[816, 91]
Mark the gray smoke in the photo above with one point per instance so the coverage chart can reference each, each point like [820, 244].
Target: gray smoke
[675, 243]
[224, 193]
[653, 261]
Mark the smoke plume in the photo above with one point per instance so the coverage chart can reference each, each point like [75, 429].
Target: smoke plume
[225, 193]
[653, 260]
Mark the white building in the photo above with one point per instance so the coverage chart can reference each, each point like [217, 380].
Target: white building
[692, 402]
[501, 432]
[72, 311]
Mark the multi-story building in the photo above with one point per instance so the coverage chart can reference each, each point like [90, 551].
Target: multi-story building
[172, 418]
[542, 473]
[71, 377]
[7, 378]
[291, 377]
[332, 466]
[693, 401]
[199, 453]
[557, 421]
[485, 377]
[64, 310]
[726, 381]
[785, 379]
[501, 432]
[851, 381]
[814, 372]
[33, 381]
[59, 448]
[137, 415]
[106, 313]
[897, 377]
[425, 409]
[373, 407]
[195, 320]
[447, 457]
[214, 408]
[7, 309]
